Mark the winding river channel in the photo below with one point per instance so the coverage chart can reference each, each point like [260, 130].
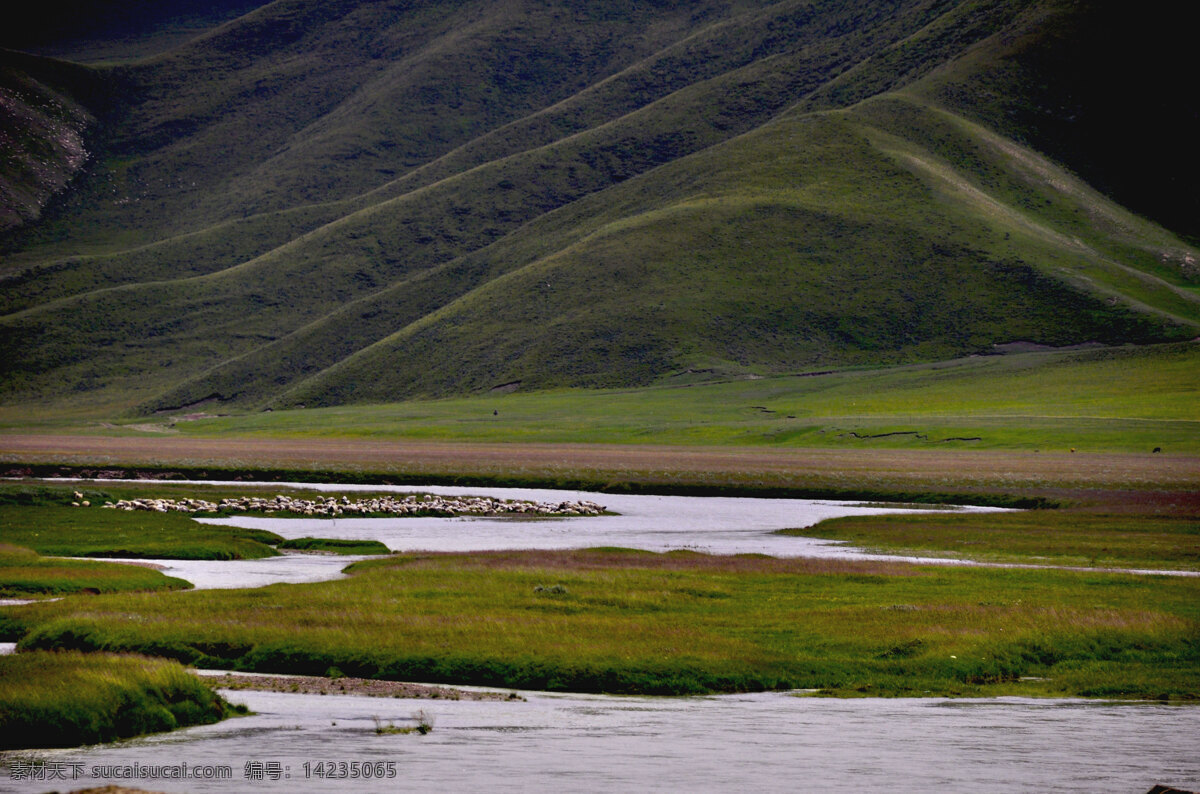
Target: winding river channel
[715, 525]
[569, 743]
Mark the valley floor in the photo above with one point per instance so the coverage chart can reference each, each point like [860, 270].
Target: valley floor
[1117, 480]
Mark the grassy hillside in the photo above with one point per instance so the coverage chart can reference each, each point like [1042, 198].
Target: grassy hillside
[329, 203]
[100, 30]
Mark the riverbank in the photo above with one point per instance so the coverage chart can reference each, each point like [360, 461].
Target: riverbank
[1067, 538]
[345, 685]
[676, 623]
[24, 573]
[894, 474]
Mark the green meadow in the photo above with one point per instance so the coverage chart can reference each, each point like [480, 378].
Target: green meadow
[97, 532]
[43, 517]
[1128, 399]
[678, 623]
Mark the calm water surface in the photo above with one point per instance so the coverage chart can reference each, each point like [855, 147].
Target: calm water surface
[718, 525]
[715, 525]
[762, 742]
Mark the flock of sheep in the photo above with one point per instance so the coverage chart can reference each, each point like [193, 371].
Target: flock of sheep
[375, 505]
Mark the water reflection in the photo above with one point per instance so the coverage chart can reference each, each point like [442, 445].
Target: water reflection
[716, 525]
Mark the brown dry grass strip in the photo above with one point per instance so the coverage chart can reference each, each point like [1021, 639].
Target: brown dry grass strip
[983, 470]
[594, 560]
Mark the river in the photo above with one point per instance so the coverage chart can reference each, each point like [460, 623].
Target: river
[569, 743]
[589, 743]
[715, 525]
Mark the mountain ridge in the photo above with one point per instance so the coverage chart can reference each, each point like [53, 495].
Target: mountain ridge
[307, 303]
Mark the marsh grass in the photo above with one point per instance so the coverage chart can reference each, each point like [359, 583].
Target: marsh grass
[50, 518]
[334, 546]
[23, 572]
[1047, 537]
[630, 622]
[96, 532]
[68, 698]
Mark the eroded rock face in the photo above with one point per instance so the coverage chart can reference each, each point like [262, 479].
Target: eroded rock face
[386, 505]
[42, 136]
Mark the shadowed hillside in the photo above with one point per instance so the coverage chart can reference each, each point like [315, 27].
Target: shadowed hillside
[322, 203]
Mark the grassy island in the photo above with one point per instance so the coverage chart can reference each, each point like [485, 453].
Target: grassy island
[68, 698]
[678, 623]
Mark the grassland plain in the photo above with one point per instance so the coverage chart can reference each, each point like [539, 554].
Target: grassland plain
[67, 698]
[622, 621]
[974, 633]
[1098, 400]
[1125, 399]
[1002, 478]
[973, 430]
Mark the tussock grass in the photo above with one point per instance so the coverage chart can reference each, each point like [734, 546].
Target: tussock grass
[66, 699]
[673, 623]
[423, 724]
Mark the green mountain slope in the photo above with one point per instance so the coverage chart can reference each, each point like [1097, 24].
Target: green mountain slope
[319, 203]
